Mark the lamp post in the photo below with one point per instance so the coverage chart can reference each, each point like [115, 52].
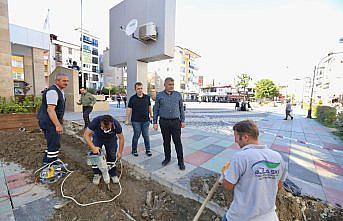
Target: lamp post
[309, 113]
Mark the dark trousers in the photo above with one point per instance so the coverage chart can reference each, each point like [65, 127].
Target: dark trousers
[111, 147]
[138, 129]
[288, 113]
[118, 104]
[53, 144]
[86, 112]
[171, 128]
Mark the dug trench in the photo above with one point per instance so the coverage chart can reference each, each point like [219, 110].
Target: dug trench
[141, 199]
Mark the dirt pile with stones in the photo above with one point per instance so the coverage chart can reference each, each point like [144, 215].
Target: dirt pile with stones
[141, 199]
[289, 207]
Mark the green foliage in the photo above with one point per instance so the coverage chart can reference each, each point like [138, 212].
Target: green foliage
[20, 104]
[113, 90]
[244, 80]
[339, 122]
[320, 102]
[326, 115]
[266, 88]
[91, 90]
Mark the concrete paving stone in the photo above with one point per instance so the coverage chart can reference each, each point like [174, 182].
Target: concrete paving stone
[141, 157]
[234, 146]
[198, 145]
[225, 142]
[184, 181]
[198, 137]
[154, 143]
[5, 206]
[338, 160]
[333, 146]
[7, 216]
[12, 169]
[227, 154]
[328, 167]
[198, 157]
[210, 140]
[308, 188]
[172, 173]
[37, 192]
[334, 196]
[215, 164]
[186, 151]
[322, 154]
[213, 149]
[154, 163]
[281, 148]
[41, 210]
[303, 173]
[331, 181]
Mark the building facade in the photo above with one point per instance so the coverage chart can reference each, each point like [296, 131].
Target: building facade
[66, 54]
[6, 79]
[113, 76]
[184, 69]
[29, 60]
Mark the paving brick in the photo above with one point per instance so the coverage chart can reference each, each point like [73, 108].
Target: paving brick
[197, 158]
[281, 148]
[303, 173]
[171, 172]
[328, 167]
[308, 188]
[334, 196]
[213, 149]
[154, 163]
[215, 164]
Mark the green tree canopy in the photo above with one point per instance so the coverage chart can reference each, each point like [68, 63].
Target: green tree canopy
[266, 88]
[243, 81]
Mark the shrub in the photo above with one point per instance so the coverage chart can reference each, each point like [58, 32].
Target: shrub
[22, 104]
[326, 115]
[339, 122]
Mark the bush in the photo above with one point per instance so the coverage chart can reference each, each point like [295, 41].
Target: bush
[326, 115]
[339, 122]
[22, 104]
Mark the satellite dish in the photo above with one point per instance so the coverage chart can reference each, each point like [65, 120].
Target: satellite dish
[131, 27]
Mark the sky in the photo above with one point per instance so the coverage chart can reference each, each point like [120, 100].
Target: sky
[276, 39]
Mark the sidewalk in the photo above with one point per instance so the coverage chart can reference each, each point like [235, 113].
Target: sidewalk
[317, 170]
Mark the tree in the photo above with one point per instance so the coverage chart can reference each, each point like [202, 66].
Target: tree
[243, 82]
[266, 88]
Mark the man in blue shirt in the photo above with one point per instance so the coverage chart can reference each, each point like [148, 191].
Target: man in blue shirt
[105, 130]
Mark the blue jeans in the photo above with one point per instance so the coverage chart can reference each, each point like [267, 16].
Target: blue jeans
[138, 129]
[224, 218]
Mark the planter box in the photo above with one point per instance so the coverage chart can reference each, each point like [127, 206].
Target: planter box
[12, 122]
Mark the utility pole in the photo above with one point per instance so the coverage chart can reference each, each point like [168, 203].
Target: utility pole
[81, 52]
[309, 113]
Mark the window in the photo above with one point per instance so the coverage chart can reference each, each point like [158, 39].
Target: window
[95, 42]
[95, 60]
[18, 68]
[95, 51]
[95, 69]
[95, 77]
[70, 50]
[183, 86]
[86, 48]
[86, 76]
[87, 39]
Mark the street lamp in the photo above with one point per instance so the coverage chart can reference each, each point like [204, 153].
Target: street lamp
[309, 113]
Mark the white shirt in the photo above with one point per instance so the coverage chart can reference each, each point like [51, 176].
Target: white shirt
[52, 96]
[255, 171]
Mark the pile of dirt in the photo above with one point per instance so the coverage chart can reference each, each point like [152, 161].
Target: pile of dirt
[289, 207]
[141, 199]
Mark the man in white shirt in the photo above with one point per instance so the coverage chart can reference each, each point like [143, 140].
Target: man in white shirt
[288, 110]
[254, 174]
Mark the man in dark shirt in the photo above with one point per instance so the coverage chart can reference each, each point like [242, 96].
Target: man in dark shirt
[139, 109]
[169, 107]
[105, 131]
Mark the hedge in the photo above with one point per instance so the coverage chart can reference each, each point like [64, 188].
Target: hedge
[326, 115]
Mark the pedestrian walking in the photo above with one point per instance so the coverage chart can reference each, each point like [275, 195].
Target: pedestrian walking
[237, 105]
[249, 106]
[169, 108]
[105, 131]
[87, 101]
[118, 100]
[255, 173]
[288, 110]
[50, 117]
[140, 111]
[125, 100]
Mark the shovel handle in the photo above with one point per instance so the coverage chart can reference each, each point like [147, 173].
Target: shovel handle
[209, 196]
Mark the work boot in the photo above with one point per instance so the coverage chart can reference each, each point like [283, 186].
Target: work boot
[182, 166]
[115, 179]
[96, 179]
[165, 162]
